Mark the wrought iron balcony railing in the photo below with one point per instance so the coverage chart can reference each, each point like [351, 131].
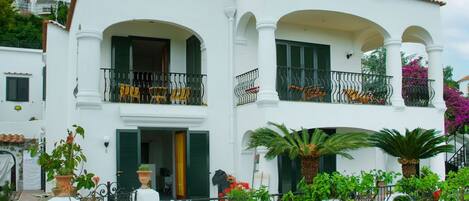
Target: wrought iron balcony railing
[417, 92]
[246, 87]
[153, 87]
[312, 85]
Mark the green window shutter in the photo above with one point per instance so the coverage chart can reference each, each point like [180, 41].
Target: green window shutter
[282, 84]
[11, 89]
[193, 56]
[198, 165]
[23, 89]
[128, 158]
[121, 53]
[44, 80]
[17, 89]
[194, 69]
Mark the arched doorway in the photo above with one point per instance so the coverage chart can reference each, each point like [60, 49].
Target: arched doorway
[7, 169]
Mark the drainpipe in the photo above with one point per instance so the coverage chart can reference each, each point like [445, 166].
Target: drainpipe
[230, 14]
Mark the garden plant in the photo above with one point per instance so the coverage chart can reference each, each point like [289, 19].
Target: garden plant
[306, 145]
[410, 148]
[63, 163]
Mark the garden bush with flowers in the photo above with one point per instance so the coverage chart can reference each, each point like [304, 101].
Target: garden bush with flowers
[457, 114]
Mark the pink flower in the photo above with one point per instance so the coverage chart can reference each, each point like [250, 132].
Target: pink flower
[95, 180]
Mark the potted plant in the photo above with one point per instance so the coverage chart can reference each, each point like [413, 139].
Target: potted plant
[419, 144]
[306, 145]
[62, 164]
[144, 175]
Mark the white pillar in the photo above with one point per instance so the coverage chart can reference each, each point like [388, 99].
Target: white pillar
[267, 62]
[435, 72]
[88, 65]
[437, 165]
[394, 69]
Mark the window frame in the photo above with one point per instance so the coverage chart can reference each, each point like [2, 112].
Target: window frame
[7, 85]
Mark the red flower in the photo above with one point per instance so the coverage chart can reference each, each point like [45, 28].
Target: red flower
[70, 139]
[437, 194]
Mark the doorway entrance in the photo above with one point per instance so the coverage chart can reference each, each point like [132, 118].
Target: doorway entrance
[178, 158]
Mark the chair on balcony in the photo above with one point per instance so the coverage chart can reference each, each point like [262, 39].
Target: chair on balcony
[124, 92]
[134, 94]
[310, 92]
[355, 96]
[158, 94]
[180, 95]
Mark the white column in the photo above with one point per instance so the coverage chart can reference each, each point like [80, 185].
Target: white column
[267, 62]
[435, 72]
[437, 165]
[88, 65]
[394, 69]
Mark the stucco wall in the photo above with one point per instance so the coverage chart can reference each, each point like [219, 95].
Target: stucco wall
[208, 22]
[24, 61]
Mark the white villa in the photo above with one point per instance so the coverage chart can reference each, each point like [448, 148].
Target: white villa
[180, 84]
[21, 115]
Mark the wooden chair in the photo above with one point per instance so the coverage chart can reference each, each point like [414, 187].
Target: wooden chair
[134, 93]
[158, 94]
[355, 96]
[180, 95]
[124, 92]
[309, 92]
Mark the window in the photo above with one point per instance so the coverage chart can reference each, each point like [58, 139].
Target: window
[17, 89]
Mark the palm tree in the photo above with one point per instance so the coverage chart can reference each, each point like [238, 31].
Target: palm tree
[307, 146]
[412, 147]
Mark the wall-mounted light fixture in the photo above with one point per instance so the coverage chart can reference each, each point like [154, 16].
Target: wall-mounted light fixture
[106, 142]
[349, 54]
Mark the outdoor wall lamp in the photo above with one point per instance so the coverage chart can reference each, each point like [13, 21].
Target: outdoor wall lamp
[106, 141]
[349, 54]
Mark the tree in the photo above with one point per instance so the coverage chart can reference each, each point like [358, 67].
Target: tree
[305, 145]
[8, 14]
[375, 62]
[448, 77]
[25, 30]
[412, 147]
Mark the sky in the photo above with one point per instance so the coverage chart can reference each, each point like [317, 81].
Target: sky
[455, 23]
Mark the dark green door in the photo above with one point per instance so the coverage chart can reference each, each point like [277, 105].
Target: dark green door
[300, 65]
[289, 171]
[198, 165]
[120, 60]
[194, 70]
[128, 158]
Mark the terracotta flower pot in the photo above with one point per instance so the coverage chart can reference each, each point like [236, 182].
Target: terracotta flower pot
[144, 177]
[64, 186]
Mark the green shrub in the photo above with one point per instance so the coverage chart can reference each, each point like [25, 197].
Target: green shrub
[5, 193]
[422, 188]
[403, 198]
[453, 187]
[242, 194]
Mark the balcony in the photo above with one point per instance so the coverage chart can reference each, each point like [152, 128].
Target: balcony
[417, 92]
[153, 87]
[312, 85]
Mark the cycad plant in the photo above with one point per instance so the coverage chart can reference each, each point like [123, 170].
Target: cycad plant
[412, 147]
[305, 145]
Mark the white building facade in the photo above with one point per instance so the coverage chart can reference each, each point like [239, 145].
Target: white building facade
[21, 112]
[159, 82]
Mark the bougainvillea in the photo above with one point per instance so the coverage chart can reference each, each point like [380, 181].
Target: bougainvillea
[457, 114]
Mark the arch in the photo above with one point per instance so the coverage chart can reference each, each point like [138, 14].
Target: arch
[245, 140]
[417, 34]
[242, 25]
[13, 169]
[375, 25]
[174, 24]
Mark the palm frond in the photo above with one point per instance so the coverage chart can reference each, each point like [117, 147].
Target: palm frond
[280, 141]
[415, 144]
